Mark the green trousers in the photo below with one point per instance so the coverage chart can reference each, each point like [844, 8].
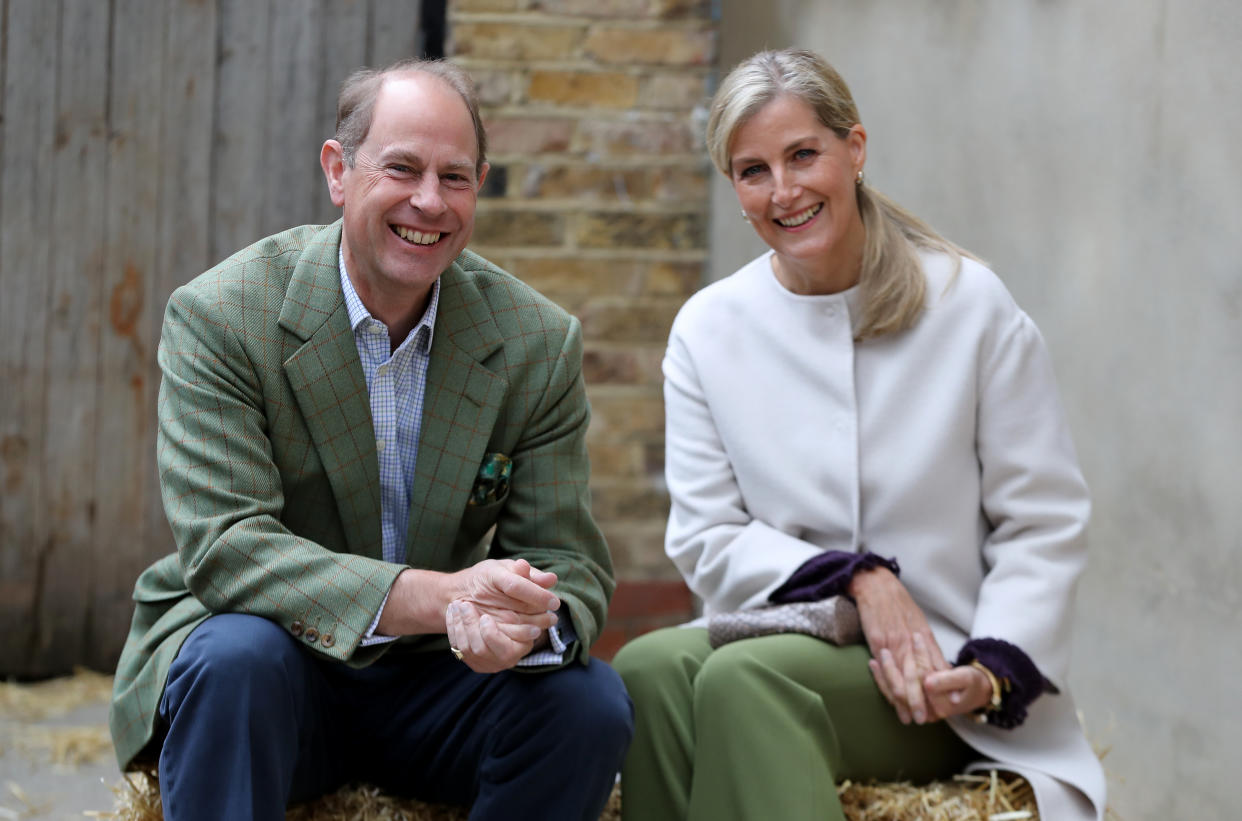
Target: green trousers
[763, 728]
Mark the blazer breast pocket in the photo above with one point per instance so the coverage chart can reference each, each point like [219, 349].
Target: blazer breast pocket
[491, 483]
[478, 519]
[488, 494]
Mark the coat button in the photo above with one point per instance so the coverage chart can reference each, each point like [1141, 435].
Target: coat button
[327, 640]
[296, 628]
[312, 635]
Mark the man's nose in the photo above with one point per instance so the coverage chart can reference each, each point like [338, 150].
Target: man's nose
[426, 196]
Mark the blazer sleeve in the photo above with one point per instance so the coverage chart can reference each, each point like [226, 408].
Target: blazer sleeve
[223, 495]
[730, 559]
[1034, 498]
[547, 516]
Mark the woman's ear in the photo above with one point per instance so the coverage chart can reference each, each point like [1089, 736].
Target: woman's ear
[857, 140]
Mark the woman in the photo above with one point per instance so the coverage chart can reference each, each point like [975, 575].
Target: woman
[863, 410]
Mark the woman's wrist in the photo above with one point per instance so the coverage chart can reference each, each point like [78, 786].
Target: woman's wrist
[1014, 680]
[828, 574]
[866, 579]
[995, 692]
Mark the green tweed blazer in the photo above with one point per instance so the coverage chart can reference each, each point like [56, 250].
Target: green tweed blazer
[270, 478]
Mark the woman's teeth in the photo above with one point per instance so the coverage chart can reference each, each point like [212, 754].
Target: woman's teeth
[416, 237]
[801, 217]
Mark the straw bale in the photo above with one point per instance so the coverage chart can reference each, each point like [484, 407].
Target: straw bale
[54, 697]
[966, 798]
[993, 797]
[138, 799]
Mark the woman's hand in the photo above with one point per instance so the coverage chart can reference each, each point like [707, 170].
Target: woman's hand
[957, 690]
[903, 650]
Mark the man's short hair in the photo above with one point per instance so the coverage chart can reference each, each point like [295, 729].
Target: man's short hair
[356, 103]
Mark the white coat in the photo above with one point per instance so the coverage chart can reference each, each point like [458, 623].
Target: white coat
[944, 446]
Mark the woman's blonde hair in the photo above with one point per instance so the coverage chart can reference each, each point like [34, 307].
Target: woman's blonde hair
[892, 281]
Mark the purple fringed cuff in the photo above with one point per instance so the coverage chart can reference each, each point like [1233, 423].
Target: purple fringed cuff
[1021, 681]
[827, 574]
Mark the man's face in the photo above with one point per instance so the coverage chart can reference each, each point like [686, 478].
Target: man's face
[410, 196]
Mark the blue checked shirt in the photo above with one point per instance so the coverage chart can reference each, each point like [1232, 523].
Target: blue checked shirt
[397, 385]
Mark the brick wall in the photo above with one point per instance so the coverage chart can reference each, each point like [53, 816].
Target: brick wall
[598, 197]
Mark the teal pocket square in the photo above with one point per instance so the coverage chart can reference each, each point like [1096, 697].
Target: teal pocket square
[492, 482]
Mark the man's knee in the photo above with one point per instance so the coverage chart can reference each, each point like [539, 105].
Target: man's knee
[594, 699]
[241, 654]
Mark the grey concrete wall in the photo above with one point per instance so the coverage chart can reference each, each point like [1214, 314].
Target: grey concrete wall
[1089, 151]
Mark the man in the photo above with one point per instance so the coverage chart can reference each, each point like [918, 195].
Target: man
[346, 413]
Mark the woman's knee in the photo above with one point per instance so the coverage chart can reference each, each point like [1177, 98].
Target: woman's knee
[654, 658]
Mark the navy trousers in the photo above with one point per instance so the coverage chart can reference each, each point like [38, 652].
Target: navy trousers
[255, 722]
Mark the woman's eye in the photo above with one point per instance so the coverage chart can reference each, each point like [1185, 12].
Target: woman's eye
[804, 154]
[750, 171]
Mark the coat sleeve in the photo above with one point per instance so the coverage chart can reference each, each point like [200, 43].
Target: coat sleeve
[547, 516]
[223, 496]
[730, 559]
[1035, 501]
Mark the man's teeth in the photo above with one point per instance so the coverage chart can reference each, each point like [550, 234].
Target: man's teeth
[799, 218]
[416, 237]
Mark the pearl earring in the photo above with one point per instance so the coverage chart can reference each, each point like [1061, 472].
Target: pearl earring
[859, 180]
[746, 216]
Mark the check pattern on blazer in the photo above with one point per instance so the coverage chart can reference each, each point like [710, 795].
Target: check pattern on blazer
[270, 478]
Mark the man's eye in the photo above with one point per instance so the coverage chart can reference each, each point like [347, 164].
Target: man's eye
[459, 182]
[400, 169]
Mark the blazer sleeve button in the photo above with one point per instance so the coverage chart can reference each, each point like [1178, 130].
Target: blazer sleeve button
[327, 640]
[296, 628]
[312, 635]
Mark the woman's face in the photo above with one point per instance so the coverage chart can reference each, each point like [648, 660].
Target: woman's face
[795, 180]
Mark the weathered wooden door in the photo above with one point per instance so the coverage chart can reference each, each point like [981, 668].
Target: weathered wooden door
[140, 142]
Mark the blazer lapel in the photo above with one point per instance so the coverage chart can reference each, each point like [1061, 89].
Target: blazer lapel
[327, 380]
[462, 401]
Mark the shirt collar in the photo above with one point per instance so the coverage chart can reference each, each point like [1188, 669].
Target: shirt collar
[359, 314]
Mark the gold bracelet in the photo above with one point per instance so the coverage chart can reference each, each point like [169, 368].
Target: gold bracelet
[997, 693]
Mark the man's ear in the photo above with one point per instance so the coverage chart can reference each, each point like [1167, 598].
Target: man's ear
[332, 161]
[482, 176]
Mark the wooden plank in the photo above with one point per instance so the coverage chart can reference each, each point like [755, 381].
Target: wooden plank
[125, 476]
[294, 179]
[184, 206]
[73, 315]
[342, 51]
[185, 147]
[242, 120]
[29, 114]
[394, 31]
[4, 51]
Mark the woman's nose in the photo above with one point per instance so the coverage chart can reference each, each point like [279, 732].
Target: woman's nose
[785, 189]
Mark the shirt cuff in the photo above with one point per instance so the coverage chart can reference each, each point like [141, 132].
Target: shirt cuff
[560, 635]
[369, 638]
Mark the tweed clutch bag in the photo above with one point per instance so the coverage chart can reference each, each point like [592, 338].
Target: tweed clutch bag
[834, 620]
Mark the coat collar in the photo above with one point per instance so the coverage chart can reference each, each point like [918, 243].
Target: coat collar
[314, 296]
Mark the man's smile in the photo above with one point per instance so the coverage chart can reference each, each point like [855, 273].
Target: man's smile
[416, 237]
